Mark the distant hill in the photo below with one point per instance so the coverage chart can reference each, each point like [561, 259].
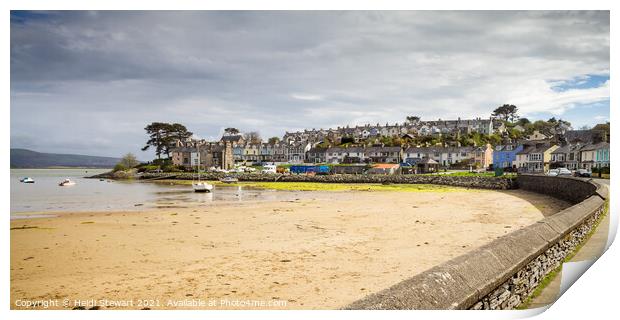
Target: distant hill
[23, 158]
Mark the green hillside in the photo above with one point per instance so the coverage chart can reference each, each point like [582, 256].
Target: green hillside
[23, 158]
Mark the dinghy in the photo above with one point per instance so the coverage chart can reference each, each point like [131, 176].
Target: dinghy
[66, 183]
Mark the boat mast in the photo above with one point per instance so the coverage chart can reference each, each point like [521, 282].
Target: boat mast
[198, 151]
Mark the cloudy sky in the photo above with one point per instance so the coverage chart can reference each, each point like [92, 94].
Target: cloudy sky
[89, 82]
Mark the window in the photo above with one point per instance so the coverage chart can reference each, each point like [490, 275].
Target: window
[535, 157]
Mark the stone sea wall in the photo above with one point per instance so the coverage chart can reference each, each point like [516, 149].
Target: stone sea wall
[458, 181]
[505, 272]
[570, 189]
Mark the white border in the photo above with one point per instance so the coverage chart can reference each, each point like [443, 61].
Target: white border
[593, 296]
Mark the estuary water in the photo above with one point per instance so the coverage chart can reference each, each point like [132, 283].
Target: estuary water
[94, 195]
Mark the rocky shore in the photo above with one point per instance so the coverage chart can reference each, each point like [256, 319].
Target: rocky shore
[494, 183]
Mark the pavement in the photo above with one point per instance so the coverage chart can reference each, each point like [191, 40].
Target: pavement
[591, 250]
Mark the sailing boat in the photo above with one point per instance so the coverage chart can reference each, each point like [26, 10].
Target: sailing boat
[200, 186]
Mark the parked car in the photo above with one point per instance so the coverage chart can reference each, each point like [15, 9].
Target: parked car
[583, 173]
[553, 172]
[564, 172]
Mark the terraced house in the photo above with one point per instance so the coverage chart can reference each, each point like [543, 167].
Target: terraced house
[335, 155]
[535, 158]
[444, 156]
[316, 155]
[423, 128]
[578, 150]
[383, 154]
[595, 156]
[504, 156]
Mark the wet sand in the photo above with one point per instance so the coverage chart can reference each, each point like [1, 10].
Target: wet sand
[311, 253]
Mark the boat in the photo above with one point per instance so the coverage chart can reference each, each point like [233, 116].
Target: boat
[26, 180]
[200, 186]
[229, 180]
[66, 183]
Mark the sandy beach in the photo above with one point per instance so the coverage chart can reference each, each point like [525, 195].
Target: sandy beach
[311, 253]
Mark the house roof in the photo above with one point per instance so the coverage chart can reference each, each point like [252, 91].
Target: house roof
[528, 148]
[232, 138]
[535, 148]
[427, 161]
[503, 147]
[383, 149]
[184, 149]
[596, 146]
[355, 149]
[563, 149]
[439, 149]
[317, 150]
[579, 136]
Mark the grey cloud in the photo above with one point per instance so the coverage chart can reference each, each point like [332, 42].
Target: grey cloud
[107, 74]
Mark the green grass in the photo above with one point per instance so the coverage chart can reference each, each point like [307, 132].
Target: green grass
[549, 277]
[471, 174]
[318, 186]
[321, 186]
[544, 283]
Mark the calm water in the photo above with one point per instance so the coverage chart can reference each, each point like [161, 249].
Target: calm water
[93, 195]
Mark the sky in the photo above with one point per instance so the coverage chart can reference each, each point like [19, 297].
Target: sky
[88, 82]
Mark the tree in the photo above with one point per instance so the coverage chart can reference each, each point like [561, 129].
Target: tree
[273, 140]
[413, 119]
[523, 121]
[157, 133]
[129, 161]
[252, 137]
[162, 135]
[602, 132]
[231, 131]
[565, 123]
[507, 112]
[179, 131]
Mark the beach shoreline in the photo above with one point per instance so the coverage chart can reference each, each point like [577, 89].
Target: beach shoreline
[317, 252]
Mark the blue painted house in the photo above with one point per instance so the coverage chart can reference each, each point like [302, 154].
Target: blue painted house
[505, 155]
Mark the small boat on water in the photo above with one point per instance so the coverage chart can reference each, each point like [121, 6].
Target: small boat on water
[26, 180]
[201, 186]
[66, 183]
[229, 180]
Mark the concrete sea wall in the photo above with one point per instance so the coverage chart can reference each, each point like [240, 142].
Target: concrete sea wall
[505, 272]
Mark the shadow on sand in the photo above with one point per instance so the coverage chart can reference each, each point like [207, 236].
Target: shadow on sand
[546, 204]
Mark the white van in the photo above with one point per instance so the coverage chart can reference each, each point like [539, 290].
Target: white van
[269, 168]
